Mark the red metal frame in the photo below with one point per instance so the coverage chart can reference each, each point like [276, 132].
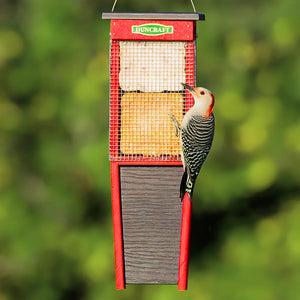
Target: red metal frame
[117, 225]
[115, 102]
[184, 242]
[190, 76]
[182, 30]
[117, 214]
[114, 99]
[121, 30]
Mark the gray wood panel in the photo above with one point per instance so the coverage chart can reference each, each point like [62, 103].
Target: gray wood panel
[151, 216]
[154, 16]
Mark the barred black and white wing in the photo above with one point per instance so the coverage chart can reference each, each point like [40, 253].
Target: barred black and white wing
[196, 140]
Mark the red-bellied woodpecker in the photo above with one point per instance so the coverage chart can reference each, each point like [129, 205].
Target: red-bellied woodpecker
[196, 135]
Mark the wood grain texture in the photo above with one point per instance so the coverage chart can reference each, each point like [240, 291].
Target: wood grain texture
[151, 218]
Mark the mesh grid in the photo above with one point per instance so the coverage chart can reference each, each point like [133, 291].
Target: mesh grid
[145, 89]
[152, 66]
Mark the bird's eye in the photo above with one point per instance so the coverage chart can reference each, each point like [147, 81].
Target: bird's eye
[202, 93]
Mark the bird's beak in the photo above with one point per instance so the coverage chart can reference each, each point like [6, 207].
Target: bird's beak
[193, 92]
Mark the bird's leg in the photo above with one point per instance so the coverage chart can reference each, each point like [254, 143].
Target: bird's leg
[176, 125]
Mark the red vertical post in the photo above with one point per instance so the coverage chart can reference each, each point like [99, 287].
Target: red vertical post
[184, 242]
[117, 225]
[190, 73]
[187, 201]
[114, 100]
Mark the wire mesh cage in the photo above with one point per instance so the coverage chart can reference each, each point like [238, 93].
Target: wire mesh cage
[145, 91]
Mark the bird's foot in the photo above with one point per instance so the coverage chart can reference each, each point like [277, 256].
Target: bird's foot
[176, 125]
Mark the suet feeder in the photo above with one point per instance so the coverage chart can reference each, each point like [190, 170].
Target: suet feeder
[151, 54]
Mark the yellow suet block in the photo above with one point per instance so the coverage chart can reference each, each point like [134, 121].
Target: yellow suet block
[146, 127]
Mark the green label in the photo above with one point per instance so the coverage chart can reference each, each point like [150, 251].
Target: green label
[152, 29]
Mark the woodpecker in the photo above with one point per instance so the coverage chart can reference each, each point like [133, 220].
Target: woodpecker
[196, 136]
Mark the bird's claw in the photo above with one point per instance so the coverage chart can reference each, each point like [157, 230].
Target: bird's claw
[176, 125]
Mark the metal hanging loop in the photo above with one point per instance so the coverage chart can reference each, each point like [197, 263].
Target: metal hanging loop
[193, 5]
[113, 7]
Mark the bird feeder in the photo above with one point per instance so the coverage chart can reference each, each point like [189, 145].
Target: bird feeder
[151, 54]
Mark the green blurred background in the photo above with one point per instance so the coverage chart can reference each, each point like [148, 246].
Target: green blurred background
[56, 239]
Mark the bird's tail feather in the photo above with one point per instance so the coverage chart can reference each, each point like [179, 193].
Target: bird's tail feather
[186, 185]
[182, 184]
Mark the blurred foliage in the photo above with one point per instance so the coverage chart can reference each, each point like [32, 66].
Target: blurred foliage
[55, 215]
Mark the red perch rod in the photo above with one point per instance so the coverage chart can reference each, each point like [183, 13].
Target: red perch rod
[184, 242]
